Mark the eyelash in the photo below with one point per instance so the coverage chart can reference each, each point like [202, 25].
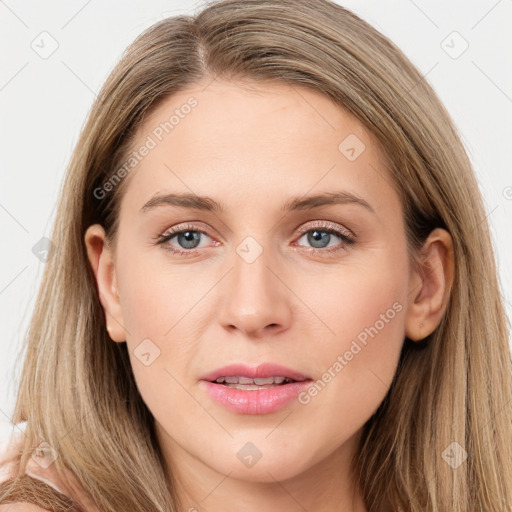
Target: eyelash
[323, 226]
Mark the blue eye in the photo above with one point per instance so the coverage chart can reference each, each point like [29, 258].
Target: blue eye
[188, 238]
[320, 238]
[188, 235]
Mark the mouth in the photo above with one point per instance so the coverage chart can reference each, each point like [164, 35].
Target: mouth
[263, 375]
[248, 384]
[262, 389]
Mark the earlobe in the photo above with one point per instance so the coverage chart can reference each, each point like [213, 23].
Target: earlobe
[101, 261]
[431, 286]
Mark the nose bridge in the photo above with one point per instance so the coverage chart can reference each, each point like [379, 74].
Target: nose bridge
[251, 265]
[254, 298]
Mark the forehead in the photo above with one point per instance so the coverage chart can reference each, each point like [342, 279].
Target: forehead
[251, 142]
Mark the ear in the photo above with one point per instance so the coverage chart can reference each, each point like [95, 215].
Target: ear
[430, 285]
[101, 259]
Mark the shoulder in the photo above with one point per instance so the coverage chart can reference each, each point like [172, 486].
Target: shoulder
[28, 493]
[39, 465]
[10, 452]
[38, 486]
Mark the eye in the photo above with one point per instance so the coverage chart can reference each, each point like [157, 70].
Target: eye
[188, 236]
[321, 234]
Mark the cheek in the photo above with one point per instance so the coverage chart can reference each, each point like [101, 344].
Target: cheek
[358, 356]
[358, 296]
[160, 353]
[152, 298]
[158, 310]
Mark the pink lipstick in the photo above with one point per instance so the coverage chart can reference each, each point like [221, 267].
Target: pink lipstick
[254, 390]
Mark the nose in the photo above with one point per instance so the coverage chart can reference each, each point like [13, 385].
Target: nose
[255, 299]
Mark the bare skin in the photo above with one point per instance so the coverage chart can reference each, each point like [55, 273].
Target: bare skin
[301, 303]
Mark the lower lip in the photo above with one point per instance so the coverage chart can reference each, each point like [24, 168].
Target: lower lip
[258, 401]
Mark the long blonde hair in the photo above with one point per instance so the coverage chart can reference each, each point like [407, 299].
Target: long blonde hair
[77, 391]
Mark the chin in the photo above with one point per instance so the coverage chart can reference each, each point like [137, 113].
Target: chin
[268, 468]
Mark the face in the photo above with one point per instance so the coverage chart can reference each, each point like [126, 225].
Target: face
[268, 277]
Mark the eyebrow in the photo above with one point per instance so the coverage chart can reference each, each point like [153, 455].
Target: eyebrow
[206, 203]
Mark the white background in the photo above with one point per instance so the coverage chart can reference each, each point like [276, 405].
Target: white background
[44, 103]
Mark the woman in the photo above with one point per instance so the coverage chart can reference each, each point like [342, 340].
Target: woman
[261, 369]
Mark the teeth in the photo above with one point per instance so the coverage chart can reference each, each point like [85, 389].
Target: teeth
[258, 381]
[267, 380]
[249, 387]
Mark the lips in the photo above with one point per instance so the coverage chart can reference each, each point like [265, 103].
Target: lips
[254, 375]
[262, 389]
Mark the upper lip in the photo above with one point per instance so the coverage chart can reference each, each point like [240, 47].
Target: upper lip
[253, 372]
